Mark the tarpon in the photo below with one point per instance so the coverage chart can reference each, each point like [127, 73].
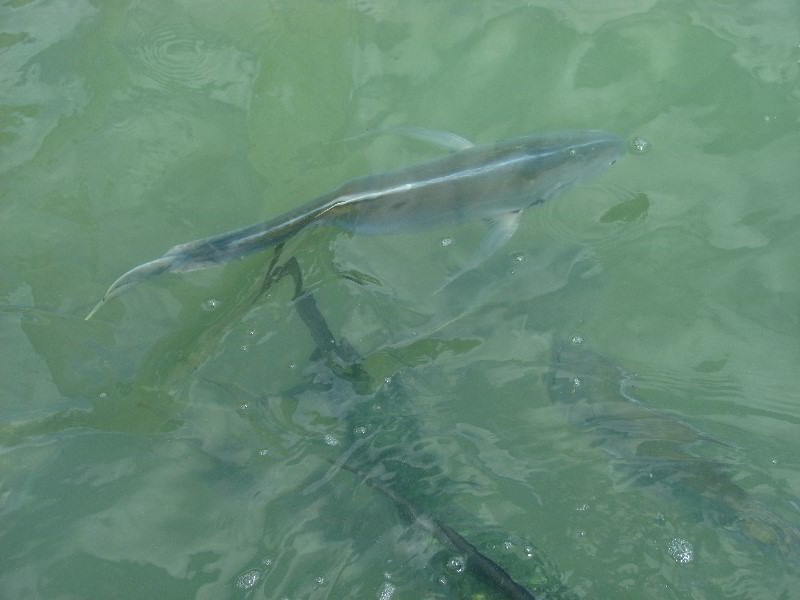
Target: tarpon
[493, 182]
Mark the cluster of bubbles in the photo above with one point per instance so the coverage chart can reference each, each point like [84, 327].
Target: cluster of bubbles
[457, 564]
[248, 579]
[386, 592]
[680, 550]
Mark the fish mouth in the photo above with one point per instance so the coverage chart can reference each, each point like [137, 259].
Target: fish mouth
[609, 144]
[595, 149]
[608, 149]
[601, 154]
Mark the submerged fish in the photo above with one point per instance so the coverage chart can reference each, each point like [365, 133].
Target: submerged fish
[483, 566]
[658, 450]
[494, 182]
[348, 366]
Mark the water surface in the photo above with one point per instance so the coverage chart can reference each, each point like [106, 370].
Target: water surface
[177, 445]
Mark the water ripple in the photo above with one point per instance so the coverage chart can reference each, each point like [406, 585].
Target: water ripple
[165, 58]
[602, 216]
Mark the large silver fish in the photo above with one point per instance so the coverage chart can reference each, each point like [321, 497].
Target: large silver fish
[494, 182]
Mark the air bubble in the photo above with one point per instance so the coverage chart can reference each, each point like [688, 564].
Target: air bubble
[577, 339]
[681, 551]
[529, 551]
[360, 430]
[331, 440]
[640, 145]
[446, 242]
[210, 304]
[247, 580]
[518, 257]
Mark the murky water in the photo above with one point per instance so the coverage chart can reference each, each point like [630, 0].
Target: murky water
[178, 445]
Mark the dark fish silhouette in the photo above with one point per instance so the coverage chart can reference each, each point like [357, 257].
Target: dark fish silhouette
[346, 363]
[483, 566]
[659, 450]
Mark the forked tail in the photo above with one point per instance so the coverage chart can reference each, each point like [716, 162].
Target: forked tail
[134, 276]
[216, 250]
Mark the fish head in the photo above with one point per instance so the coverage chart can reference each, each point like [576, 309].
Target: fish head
[580, 375]
[552, 162]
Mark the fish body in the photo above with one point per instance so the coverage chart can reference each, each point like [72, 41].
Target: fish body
[485, 567]
[494, 182]
[482, 182]
[658, 450]
[396, 439]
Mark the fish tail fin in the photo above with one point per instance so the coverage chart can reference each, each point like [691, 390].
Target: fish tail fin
[134, 276]
[218, 249]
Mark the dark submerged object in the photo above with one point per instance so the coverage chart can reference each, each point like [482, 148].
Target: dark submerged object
[660, 451]
[483, 566]
[345, 362]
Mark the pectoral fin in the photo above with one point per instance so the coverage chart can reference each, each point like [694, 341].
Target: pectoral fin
[501, 229]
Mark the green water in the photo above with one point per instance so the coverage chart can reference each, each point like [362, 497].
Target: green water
[177, 445]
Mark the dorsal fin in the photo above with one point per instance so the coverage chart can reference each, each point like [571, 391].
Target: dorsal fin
[450, 141]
